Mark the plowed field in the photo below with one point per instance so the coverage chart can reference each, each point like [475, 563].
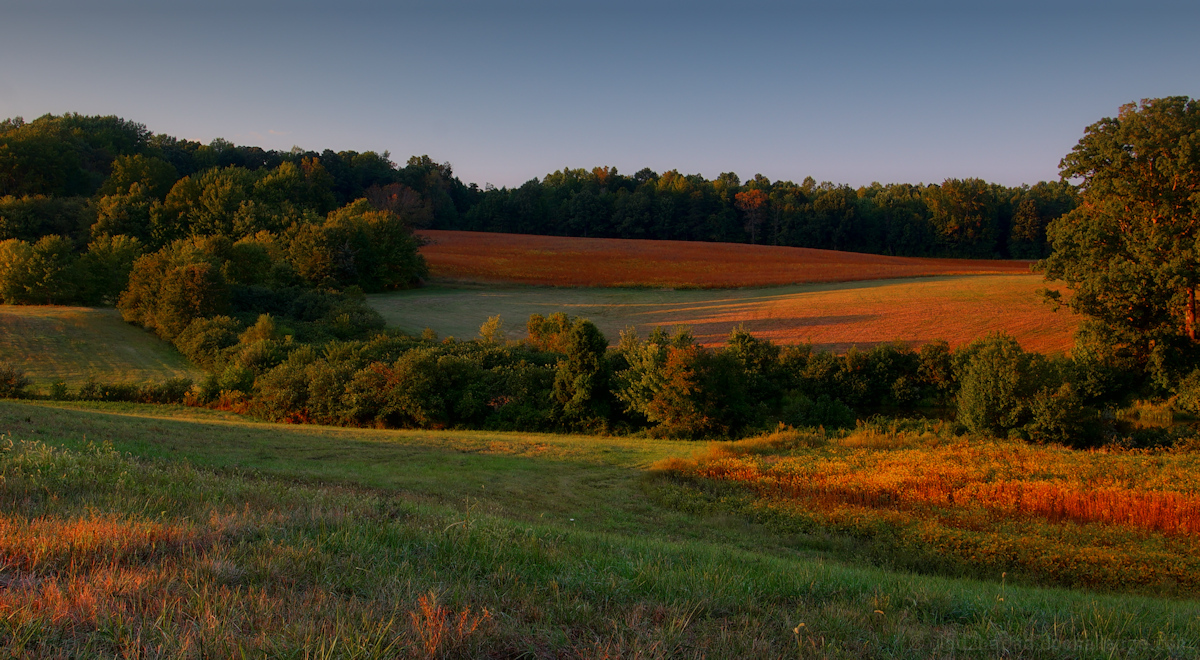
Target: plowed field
[463, 256]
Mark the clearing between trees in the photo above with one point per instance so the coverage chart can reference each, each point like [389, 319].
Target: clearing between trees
[74, 344]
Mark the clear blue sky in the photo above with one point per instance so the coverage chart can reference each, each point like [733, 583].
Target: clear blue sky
[849, 92]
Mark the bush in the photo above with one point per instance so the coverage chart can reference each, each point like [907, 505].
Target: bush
[801, 412]
[996, 380]
[204, 339]
[12, 382]
[1187, 395]
[96, 391]
[173, 390]
[1060, 416]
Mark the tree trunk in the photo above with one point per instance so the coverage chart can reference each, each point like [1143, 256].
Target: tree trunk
[1189, 314]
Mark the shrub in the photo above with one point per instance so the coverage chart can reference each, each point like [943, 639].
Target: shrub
[204, 339]
[800, 411]
[58, 391]
[996, 380]
[1187, 394]
[12, 382]
[96, 391]
[1060, 416]
[283, 391]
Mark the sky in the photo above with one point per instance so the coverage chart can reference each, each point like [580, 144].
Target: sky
[849, 92]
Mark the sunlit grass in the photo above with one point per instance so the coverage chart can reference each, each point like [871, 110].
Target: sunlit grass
[608, 262]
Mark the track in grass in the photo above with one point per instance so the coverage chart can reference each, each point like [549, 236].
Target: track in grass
[830, 316]
[463, 256]
[77, 343]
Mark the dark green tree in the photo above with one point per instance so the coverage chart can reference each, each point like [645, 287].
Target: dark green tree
[1130, 252]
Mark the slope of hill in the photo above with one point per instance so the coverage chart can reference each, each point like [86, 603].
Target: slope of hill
[319, 542]
[462, 256]
[77, 343]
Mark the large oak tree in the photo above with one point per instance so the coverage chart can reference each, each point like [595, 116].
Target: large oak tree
[1130, 252]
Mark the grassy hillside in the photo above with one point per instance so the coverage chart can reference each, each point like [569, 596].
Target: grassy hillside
[462, 256]
[833, 316]
[75, 343]
[312, 542]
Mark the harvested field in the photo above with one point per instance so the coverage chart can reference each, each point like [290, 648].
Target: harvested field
[831, 316]
[77, 343]
[462, 256]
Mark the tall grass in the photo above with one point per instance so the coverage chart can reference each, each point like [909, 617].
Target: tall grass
[1125, 520]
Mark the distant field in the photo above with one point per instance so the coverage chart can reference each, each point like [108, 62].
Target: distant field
[832, 316]
[75, 343]
[462, 256]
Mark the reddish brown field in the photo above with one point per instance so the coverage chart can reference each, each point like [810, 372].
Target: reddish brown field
[833, 300]
[605, 262]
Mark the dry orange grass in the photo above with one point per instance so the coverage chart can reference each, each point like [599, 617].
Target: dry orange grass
[1130, 517]
[958, 310]
[594, 262]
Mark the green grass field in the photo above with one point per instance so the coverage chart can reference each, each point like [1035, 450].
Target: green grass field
[77, 343]
[219, 537]
[832, 316]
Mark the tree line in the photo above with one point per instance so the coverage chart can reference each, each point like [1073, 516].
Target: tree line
[957, 218]
[564, 376]
[97, 210]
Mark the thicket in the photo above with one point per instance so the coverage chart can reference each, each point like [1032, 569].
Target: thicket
[97, 210]
[565, 377]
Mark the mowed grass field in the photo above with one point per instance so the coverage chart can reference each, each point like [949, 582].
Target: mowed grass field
[462, 256]
[836, 316]
[77, 343]
[216, 537]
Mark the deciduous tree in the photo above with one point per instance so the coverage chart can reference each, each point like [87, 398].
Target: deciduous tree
[1131, 251]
